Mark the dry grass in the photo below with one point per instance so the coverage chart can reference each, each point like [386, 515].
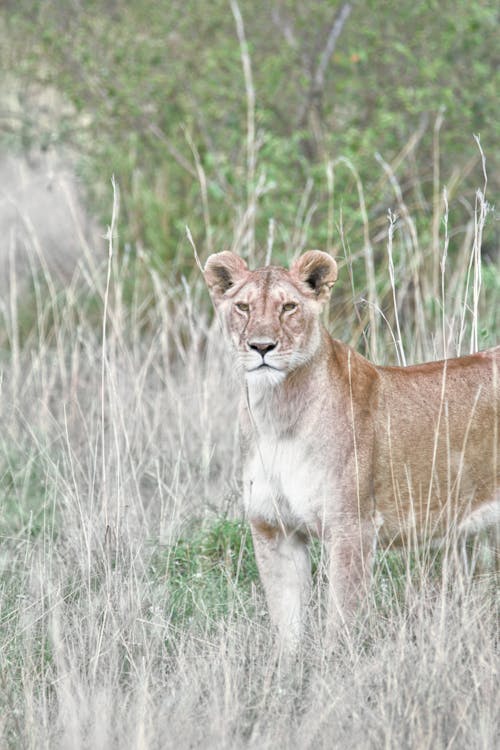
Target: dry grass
[119, 435]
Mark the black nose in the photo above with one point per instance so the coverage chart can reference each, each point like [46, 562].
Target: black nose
[263, 347]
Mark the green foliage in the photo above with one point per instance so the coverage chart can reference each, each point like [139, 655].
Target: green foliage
[24, 507]
[209, 573]
[157, 97]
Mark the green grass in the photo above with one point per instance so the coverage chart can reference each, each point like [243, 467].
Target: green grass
[25, 502]
[209, 573]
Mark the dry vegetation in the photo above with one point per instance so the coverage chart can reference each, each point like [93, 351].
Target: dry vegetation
[131, 613]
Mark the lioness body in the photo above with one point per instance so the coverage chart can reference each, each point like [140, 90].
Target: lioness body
[339, 448]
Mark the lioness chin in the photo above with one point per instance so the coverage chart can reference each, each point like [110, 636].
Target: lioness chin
[341, 449]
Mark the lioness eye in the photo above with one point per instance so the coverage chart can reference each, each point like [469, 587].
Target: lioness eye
[289, 306]
[242, 306]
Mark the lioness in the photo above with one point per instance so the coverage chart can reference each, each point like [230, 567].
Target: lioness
[339, 448]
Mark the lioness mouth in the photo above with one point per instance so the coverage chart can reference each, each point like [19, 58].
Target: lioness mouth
[263, 366]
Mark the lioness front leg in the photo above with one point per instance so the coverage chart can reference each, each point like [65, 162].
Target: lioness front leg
[351, 551]
[285, 572]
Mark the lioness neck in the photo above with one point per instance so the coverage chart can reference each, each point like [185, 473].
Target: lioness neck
[279, 409]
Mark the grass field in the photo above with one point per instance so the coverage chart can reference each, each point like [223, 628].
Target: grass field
[131, 611]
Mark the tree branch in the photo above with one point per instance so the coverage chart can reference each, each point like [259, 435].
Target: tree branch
[329, 49]
[315, 93]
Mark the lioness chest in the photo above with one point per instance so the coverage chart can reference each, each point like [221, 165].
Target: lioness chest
[284, 483]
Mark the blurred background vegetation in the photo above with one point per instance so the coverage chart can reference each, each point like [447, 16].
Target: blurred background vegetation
[233, 123]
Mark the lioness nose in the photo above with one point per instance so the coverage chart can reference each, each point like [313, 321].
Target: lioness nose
[263, 347]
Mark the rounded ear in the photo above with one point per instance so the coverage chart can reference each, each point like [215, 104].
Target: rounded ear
[222, 271]
[316, 269]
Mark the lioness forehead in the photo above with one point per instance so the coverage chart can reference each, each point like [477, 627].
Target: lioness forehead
[268, 280]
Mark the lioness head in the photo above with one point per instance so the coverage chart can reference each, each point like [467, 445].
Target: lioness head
[271, 314]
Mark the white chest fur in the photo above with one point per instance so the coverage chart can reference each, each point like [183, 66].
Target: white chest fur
[282, 483]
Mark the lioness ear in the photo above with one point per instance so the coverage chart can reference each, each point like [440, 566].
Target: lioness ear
[222, 271]
[316, 269]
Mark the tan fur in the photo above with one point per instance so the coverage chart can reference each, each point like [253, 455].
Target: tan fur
[339, 448]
